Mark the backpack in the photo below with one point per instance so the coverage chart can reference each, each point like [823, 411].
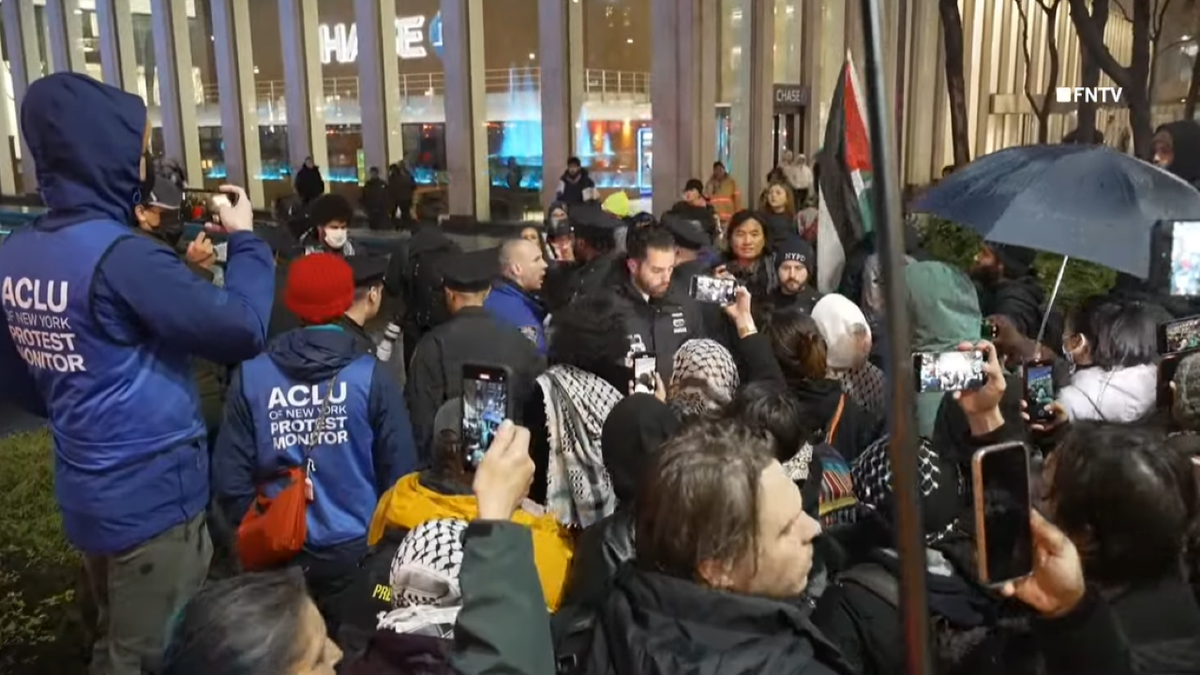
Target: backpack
[1006, 648]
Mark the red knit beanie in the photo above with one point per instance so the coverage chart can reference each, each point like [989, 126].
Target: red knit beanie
[320, 288]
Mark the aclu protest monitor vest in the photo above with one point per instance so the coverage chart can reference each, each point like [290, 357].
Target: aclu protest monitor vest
[129, 459]
[289, 422]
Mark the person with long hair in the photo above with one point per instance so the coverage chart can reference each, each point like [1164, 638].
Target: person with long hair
[749, 254]
[778, 209]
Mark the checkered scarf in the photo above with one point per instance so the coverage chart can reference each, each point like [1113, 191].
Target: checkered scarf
[424, 579]
[704, 361]
[941, 484]
[579, 491]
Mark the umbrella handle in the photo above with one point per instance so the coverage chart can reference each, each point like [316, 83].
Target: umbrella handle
[1053, 296]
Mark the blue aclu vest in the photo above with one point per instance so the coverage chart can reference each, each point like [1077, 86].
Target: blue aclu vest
[333, 426]
[129, 456]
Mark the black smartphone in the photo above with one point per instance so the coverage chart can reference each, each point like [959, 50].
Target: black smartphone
[486, 403]
[1166, 373]
[713, 290]
[1178, 336]
[1039, 389]
[1175, 257]
[1003, 505]
[204, 205]
[949, 371]
[644, 367]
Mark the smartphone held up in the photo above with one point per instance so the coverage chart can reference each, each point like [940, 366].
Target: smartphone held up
[714, 290]
[949, 371]
[644, 367]
[486, 403]
[1002, 483]
[205, 205]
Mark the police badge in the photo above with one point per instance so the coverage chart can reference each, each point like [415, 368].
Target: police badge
[531, 333]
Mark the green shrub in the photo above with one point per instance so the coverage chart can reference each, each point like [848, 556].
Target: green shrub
[957, 245]
[41, 625]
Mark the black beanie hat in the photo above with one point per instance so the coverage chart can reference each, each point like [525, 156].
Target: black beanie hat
[1017, 260]
[795, 248]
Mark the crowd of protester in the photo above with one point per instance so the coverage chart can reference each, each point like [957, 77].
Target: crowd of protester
[738, 518]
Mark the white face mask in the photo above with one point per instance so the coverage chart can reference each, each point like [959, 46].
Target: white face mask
[336, 238]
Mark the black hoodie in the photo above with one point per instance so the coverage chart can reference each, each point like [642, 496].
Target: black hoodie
[1185, 137]
[576, 189]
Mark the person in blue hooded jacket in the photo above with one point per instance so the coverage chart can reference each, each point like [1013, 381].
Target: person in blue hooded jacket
[316, 400]
[513, 300]
[98, 332]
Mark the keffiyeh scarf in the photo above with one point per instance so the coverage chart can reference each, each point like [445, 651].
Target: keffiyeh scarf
[578, 491]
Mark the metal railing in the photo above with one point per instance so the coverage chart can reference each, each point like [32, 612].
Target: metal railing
[603, 83]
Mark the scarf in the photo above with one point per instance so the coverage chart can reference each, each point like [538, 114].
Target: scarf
[866, 386]
[579, 490]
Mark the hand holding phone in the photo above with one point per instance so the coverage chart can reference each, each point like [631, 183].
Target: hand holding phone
[714, 290]
[486, 403]
[1038, 377]
[645, 367]
[949, 371]
[1056, 585]
[1003, 505]
[1179, 336]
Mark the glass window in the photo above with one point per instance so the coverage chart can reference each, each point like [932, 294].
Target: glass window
[422, 91]
[204, 84]
[267, 46]
[788, 36]
[614, 139]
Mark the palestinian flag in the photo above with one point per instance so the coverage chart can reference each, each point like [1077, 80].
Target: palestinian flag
[844, 181]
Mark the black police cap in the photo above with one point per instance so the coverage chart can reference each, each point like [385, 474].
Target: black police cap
[471, 272]
[592, 222]
[368, 270]
[688, 233]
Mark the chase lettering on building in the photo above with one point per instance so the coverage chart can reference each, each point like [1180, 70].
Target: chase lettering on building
[35, 310]
[301, 416]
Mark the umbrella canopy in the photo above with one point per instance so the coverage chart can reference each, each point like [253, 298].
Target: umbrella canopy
[1086, 202]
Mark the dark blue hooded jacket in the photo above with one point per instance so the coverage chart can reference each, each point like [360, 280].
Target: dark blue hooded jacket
[100, 324]
[258, 439]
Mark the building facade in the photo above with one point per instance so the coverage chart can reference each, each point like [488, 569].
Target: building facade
[475, 94]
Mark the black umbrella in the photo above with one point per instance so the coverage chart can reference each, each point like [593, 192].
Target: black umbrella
[1086, 202]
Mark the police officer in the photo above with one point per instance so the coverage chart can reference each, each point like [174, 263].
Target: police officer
[513, 300]
[316, 402]
[471, 336]
[90, 308]
[596, 258]
[369, 272]
[655, 319]
[692, 244]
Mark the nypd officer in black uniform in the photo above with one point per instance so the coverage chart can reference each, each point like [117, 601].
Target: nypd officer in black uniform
[471, 336]
[369, 272]
[693, 258]
[656, 319]
[596, 258]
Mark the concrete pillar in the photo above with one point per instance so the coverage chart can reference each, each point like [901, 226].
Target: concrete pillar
[670, 85]
[118, 62]
[923, 77]
[709, 61]
[378, 95]
[304, 90]
[561, 67]
[25, 62]
[760, 101]
[235, 88]
[173, 52]
[466, 114]
[66, 35]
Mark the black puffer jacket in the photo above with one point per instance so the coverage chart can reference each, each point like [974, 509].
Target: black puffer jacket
[658, 625]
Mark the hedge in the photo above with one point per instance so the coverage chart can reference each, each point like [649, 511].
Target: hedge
[41, 623]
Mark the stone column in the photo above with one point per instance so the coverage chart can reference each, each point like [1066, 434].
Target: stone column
[173, 52]
[304, 90]
[25, 62]
[378, 75]
[560, 47]
[66, 35]
[235, 87]
[466, 113]
[118, 62]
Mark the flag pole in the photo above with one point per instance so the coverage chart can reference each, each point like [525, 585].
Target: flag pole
[902, 447]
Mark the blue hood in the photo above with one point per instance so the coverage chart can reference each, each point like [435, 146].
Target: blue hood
[313, 354]
[86, 140]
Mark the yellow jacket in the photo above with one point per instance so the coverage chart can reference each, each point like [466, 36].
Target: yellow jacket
[408, 504]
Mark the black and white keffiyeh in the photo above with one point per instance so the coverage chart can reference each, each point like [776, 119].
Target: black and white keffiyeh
[578, 491]
[424, 579]
[939, 480]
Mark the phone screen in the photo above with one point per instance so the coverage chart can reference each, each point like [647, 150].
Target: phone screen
[1185, 258]
[948, 371]
[485, 406]
[202, 205]
[644, 366]
[1039, 389]
[1002, 503]
[714, 290]
[1179, 336]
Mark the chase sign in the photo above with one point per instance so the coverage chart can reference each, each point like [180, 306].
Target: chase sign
[414, 35]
